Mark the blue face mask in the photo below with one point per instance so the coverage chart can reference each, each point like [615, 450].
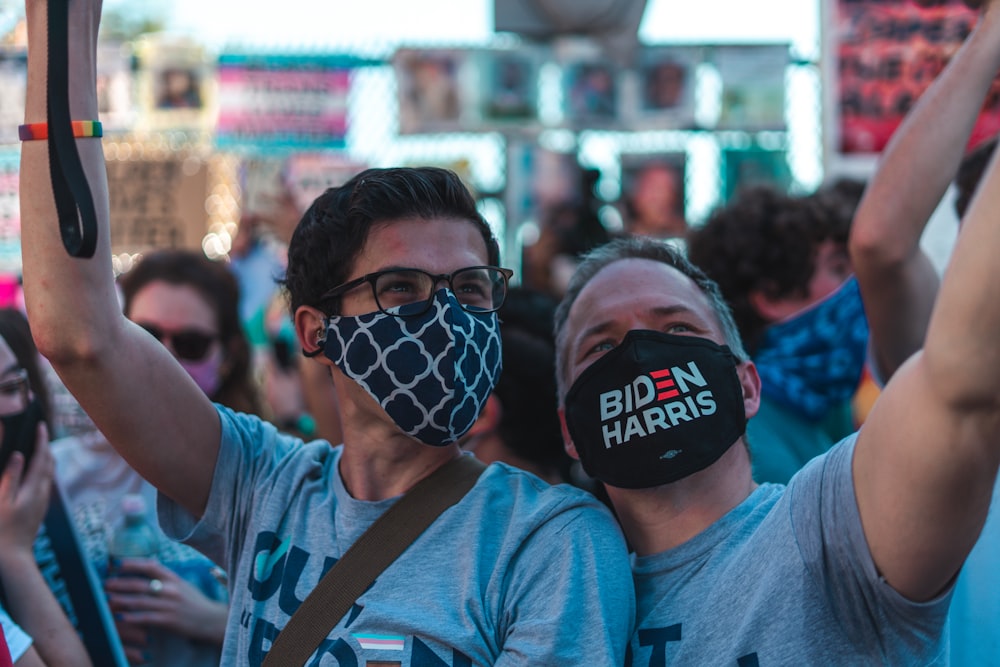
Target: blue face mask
[431, 373]
[814, 360]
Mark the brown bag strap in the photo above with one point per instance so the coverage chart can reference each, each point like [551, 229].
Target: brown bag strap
[379, 546]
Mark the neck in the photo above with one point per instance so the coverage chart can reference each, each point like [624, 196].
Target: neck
[389, 467]
[379, 461]
[661, 518]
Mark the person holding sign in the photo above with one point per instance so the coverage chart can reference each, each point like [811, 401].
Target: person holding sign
[393, 284]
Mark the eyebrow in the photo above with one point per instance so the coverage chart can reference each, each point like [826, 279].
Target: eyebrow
[659, 311]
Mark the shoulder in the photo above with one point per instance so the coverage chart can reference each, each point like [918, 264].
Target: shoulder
[255, 445]
[524, 499]
[831, 466]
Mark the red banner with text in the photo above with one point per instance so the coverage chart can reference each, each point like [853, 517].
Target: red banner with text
[888, 52]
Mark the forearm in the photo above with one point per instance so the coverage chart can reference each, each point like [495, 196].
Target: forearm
[58, 288]
[898, 282]
[961, 352]
[36, 610]
[168, 429]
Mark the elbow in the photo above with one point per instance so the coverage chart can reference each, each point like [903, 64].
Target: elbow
[65, 346]
[873, 248]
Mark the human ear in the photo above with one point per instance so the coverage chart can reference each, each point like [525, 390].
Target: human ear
[750, 382]
[567, 440]
[310, 329]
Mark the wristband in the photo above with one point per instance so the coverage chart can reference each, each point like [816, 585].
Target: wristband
[82, 129]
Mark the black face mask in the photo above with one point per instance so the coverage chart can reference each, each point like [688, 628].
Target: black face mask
[656, 409]
[19, 431]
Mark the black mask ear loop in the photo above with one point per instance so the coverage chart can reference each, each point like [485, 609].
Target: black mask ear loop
[320, 341]
[74, 201]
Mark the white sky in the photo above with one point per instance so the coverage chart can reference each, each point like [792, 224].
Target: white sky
[220, 23]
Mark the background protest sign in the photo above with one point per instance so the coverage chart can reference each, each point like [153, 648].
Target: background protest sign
[887, 53]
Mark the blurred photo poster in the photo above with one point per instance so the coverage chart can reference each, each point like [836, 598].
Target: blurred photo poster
[884, 55]
[175, 84]
[116, 103]
[653, 182]
[753, 86]
[282, 102]
[748, 167]
[590, 84]
[507, 86]
[591, 92]
[539, 180]
[13, 80]
[664, 88]
[435, 89]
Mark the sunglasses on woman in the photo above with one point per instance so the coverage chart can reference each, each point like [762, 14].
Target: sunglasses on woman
[187, 344]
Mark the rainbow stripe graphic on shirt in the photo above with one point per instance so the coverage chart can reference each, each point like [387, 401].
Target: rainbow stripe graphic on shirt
[381, 642]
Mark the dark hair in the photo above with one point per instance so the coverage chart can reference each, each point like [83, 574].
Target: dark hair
[639, 247]
[970, 172]
[765, 241]
[218, 286]
[15, 330]
[334, 229]
[529, 424]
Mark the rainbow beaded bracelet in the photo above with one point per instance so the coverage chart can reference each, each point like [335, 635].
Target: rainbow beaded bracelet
[82, 129]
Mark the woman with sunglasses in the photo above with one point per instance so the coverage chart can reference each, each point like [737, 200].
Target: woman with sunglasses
[190, 305]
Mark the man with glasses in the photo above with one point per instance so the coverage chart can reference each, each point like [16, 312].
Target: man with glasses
[394, 283]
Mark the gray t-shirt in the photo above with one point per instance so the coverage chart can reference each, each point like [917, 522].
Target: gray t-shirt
[517, 573]
[785, 578]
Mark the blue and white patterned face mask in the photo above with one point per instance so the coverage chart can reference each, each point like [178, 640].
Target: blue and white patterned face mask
[814, 360]
[431, 373]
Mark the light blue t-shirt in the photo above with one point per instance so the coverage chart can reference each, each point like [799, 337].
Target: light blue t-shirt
[18, 641]
[785, 578]
[974, 619]
[517, 573]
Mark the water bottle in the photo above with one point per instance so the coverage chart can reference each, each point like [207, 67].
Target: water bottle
[135, 537]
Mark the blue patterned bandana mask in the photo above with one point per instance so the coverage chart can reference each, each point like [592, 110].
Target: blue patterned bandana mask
[431, 374]
[814, 360]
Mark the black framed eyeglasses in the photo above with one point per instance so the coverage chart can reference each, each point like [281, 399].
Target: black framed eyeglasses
[15, 392]
[410, 292]
[188, 344]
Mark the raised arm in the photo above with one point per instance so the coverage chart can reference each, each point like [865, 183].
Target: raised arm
[927, 456]
[898, 281]
[145, 403]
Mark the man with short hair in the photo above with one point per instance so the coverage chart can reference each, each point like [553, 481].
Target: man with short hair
[852, 563]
